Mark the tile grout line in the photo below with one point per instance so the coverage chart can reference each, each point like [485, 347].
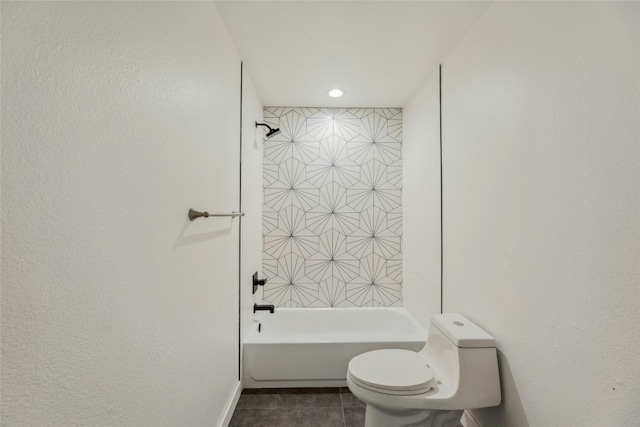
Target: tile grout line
[344, 418]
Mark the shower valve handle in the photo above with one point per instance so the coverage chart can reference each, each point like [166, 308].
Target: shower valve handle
[257, 282]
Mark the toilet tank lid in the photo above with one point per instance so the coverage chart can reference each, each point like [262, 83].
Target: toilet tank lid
[462, 331]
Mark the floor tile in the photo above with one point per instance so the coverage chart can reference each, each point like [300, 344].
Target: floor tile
[350, 401]
[258, 401]
[256, 417]
[354, 417]
[290, 398]
[312, 417]
[306, 400]
[307, 407]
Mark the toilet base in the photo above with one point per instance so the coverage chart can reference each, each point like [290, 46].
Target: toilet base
[378, 417]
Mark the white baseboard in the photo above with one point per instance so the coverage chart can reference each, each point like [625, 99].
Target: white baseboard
[468, 420]
[231, 405]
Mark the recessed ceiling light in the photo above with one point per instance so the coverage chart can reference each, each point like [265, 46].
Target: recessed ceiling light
[336, 93]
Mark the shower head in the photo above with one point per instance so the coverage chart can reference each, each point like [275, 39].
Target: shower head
[272, 131]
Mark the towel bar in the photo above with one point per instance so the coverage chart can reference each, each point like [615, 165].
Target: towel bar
[194, 214]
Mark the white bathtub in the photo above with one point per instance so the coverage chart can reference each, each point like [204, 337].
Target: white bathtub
[311, 347]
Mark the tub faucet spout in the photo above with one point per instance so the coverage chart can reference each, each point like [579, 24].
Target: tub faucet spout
[269, 307]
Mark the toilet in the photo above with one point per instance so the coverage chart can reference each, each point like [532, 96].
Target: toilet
[457, 369]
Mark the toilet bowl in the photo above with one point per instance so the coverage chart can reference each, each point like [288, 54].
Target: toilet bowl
[457, 369]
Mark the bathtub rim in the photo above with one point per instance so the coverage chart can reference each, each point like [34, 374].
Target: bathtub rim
[419, 333]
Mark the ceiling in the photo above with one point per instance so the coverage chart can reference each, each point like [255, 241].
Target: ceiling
[379, 52]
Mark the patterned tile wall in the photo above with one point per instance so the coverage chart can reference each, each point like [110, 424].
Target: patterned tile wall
[332, 221]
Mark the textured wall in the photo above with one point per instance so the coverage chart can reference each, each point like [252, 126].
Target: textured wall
[116, 118]
[333, 207]
[541, 206]
[421, 200]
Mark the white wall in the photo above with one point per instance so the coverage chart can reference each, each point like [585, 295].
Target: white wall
[421, 199]
[252, 152]
[117, 118]
[541, 206]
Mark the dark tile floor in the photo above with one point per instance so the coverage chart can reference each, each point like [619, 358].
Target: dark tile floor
[298, 407]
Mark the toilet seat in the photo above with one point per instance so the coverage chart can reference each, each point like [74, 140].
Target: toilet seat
[392, 371]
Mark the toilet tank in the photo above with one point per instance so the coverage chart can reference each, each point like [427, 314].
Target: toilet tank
[451, 335]
[465, 359]
[462, 332]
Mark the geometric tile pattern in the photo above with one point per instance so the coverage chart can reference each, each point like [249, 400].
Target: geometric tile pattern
[332, 195]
